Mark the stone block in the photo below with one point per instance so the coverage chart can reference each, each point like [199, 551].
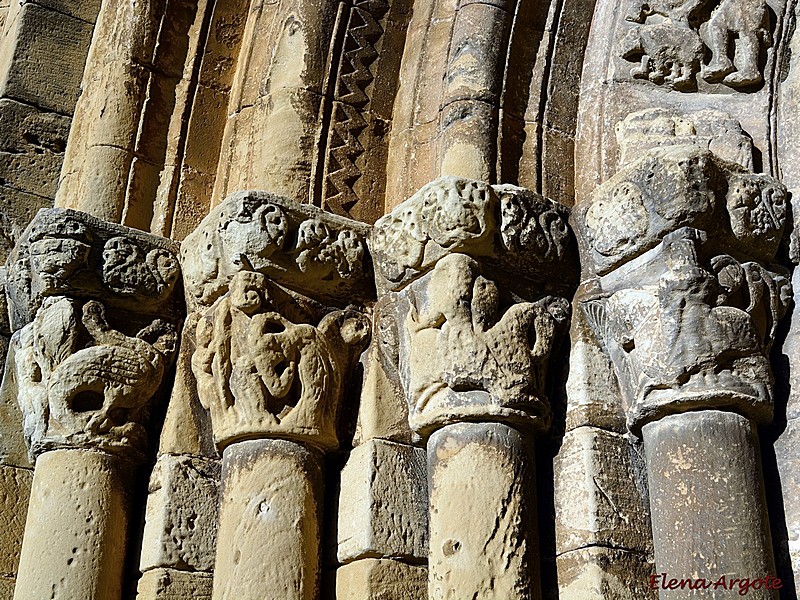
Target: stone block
[17, 209]
[595, 573]
[381, 579]
[85, 10]
[169, 584]
[383, 504]
[181, 520]
[15, 490]
[32, 144]
[599, 492]
[43, 62]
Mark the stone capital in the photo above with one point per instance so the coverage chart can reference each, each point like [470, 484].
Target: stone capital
[96, 314]
[298, 245]
[679, 283]
[279, 286]
[478, 277]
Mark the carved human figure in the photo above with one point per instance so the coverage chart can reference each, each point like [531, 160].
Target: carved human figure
[267, 365]
[742, 25]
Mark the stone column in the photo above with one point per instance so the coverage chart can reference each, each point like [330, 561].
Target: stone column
[684, 452]
[679, 285]
[271, 365]
[118, 141]
[86, 374]
[472, 361]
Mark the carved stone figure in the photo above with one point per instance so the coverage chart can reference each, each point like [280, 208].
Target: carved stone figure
[258, 231]
[69, 253]
[464, 356]
[506, 226]
[470, 347]
[667, 54]
[85, 384]
[742, 25]
[677, 251]
[268, 366]
[671, 39]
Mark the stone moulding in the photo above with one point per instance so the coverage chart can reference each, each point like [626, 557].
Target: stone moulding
[97, 313]
[286, 284]
[679, 283]
[478, 277]
[297, 245]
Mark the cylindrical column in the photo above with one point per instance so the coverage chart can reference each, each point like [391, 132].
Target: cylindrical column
[708, 505]
[74, 545]
[483, 535]
[269, 523]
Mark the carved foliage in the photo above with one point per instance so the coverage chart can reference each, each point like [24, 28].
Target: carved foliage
[270, 363]
[514, 229]
[82, 383]
[298, 245]
[671, 39]
[467, 352]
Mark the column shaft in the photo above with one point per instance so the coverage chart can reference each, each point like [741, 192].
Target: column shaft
[707, 501]
[483, 534]
[269, 525]
[74, 544]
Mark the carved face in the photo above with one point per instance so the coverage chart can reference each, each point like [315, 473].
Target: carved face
[58, 250]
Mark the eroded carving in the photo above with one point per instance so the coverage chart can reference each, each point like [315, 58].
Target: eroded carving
[504, 224]
[271, 363]
[306, 249]
[65, 252]
[469, 353]
[671, 38]
[473, 346]
[679, 284]
[83, 383]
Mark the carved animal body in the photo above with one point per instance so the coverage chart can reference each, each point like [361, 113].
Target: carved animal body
[746, 22]
[667, 53]
[670, 51]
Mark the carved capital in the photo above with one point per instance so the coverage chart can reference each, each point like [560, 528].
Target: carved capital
[478, 276]
[679, 284]
[277, 344]
[97, 316]
[302, 247]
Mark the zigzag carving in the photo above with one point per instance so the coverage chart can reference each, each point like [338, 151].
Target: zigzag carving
[344, 149]
[363, 34]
